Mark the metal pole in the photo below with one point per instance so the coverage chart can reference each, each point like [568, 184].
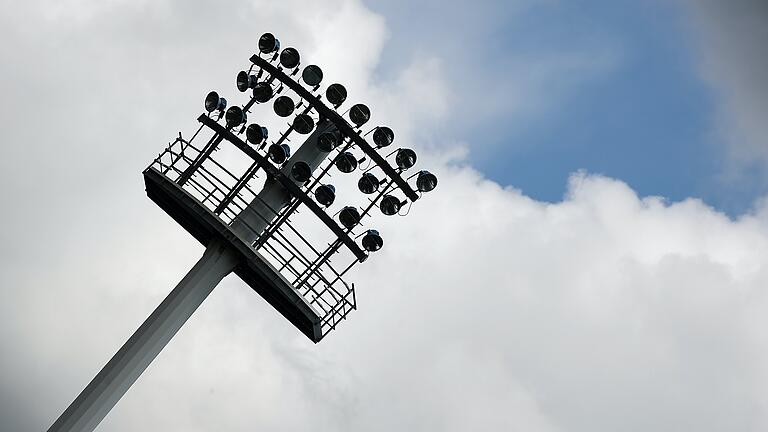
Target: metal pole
[125, 367]
[98, 398]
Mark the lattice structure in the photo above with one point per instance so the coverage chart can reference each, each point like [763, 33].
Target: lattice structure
[303, 264]
[307, 250]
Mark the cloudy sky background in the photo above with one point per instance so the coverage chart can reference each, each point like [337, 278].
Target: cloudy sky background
[595, 258]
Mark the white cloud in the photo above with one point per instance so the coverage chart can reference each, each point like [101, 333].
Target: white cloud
[485, 309]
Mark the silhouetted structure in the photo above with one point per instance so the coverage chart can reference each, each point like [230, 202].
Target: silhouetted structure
[244, 209]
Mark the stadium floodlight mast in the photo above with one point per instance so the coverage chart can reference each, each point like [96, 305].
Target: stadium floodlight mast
[259, 235]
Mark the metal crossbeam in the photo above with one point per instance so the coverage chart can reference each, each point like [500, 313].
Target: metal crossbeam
[287, 183]
[340, 123]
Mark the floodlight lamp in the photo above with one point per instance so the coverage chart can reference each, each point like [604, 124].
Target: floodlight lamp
[312, 75]
[336, 94]
[349, 217]
[372, 241]
[346, 162]
[405, 158]
[383, 136]
[289, 58]
[426, 181]
[303, 124]
[235, 116]
[368, 183]
[284, 106]
[213, 102]
[279, 153]
[390, 205]
[262, 92]
[327, 141]
[325, 194]
[245, 81]
[359, 114]
[301, 172]
[268, 43]
[255, 134]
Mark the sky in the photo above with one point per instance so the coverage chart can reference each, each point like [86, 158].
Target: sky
[643, 71]
[594, 259]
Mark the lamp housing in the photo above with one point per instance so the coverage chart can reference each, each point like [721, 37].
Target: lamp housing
[279, 153]
[255, 133]
[325, 194]
[213, 102]
[349, 217]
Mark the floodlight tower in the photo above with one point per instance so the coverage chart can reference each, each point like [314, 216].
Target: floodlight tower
[259, 235]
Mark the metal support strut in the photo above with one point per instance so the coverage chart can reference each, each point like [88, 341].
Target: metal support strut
[125, 367]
